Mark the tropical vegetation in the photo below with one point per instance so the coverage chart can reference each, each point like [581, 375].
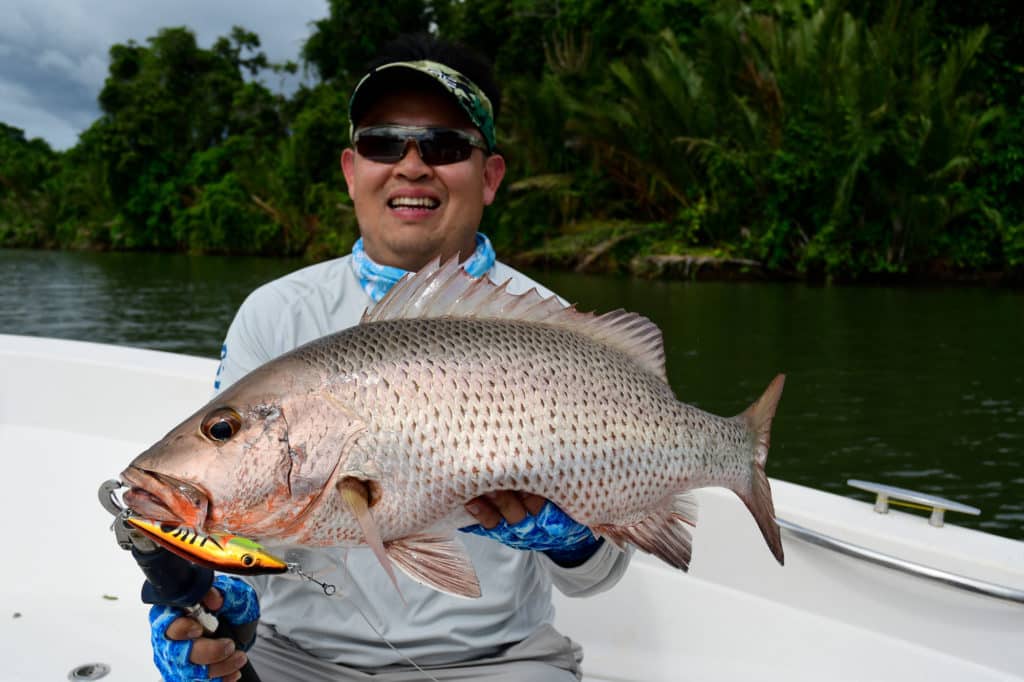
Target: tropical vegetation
[813, 138]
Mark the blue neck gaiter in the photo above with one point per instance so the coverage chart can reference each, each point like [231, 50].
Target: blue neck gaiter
[377, 279]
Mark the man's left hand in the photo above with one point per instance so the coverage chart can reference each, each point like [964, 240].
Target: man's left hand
[526, 521]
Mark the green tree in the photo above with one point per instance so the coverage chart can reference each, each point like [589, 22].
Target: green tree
[25, 211]
[820, 141]
[522, 38]
[353, 30]
[162, 104]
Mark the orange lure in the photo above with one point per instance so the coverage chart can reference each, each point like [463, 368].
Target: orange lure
[220, 551]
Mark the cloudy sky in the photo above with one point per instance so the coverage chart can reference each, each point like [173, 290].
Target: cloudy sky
[53, 53]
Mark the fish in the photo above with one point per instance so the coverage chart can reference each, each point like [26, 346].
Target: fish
[449, 388]
[223, 552]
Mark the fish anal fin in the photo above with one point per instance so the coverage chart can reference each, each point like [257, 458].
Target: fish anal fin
[665, 533]
[356, 494]
[436, 561]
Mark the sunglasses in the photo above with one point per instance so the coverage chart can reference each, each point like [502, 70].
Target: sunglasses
[437, 146]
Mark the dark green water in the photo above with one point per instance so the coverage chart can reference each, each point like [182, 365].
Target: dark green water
[920, 388]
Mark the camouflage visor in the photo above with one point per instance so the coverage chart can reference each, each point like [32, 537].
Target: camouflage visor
[471, 98]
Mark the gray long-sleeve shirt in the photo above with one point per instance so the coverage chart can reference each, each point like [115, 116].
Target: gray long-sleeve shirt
[430, 627]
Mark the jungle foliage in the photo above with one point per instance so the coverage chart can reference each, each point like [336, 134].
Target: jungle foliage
[822, 138]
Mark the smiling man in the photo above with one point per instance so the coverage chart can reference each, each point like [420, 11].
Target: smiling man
[422, 167]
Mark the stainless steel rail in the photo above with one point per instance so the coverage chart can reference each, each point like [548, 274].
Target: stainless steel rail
[919, 570]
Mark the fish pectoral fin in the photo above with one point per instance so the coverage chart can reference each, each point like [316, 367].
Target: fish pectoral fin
[665, 533]
[357, 495]
[436, 561]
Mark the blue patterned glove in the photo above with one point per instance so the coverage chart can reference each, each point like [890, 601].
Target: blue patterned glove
[551, 531]
[171, 656]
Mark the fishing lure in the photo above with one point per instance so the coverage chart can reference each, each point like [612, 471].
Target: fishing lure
[223, 552]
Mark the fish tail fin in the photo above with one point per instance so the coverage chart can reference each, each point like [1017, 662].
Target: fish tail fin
[758, 497]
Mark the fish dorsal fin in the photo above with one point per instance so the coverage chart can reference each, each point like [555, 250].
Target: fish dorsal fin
[447, 290]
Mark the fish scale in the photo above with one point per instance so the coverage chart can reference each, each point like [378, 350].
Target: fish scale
[451, 388]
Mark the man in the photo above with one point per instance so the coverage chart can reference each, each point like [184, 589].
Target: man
[421, 170]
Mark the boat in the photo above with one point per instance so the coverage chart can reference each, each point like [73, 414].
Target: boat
[863, 595]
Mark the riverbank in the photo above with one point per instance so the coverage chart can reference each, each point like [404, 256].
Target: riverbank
[708, 266]
[695, 265]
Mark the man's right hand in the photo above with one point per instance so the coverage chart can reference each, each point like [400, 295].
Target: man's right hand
[182, 653]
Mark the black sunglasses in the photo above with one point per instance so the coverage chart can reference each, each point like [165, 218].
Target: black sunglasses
[437, 146]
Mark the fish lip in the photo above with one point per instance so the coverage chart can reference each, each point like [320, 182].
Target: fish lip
[160, 497]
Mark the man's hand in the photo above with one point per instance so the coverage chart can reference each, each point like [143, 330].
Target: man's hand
[508, 505]
[182, 653]
[527, 521]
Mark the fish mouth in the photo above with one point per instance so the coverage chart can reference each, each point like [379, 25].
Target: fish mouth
[159, 497]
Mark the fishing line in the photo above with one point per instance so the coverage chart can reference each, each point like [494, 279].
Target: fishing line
[332, 591]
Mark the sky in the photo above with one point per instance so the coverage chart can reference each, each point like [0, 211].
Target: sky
[53, 53]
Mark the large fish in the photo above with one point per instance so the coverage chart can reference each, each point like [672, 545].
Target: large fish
[450, 388]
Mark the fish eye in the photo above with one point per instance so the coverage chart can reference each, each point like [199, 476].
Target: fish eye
[221, 424]
[247, 559]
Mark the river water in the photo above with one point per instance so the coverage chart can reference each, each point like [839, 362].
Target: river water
[917, 387]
